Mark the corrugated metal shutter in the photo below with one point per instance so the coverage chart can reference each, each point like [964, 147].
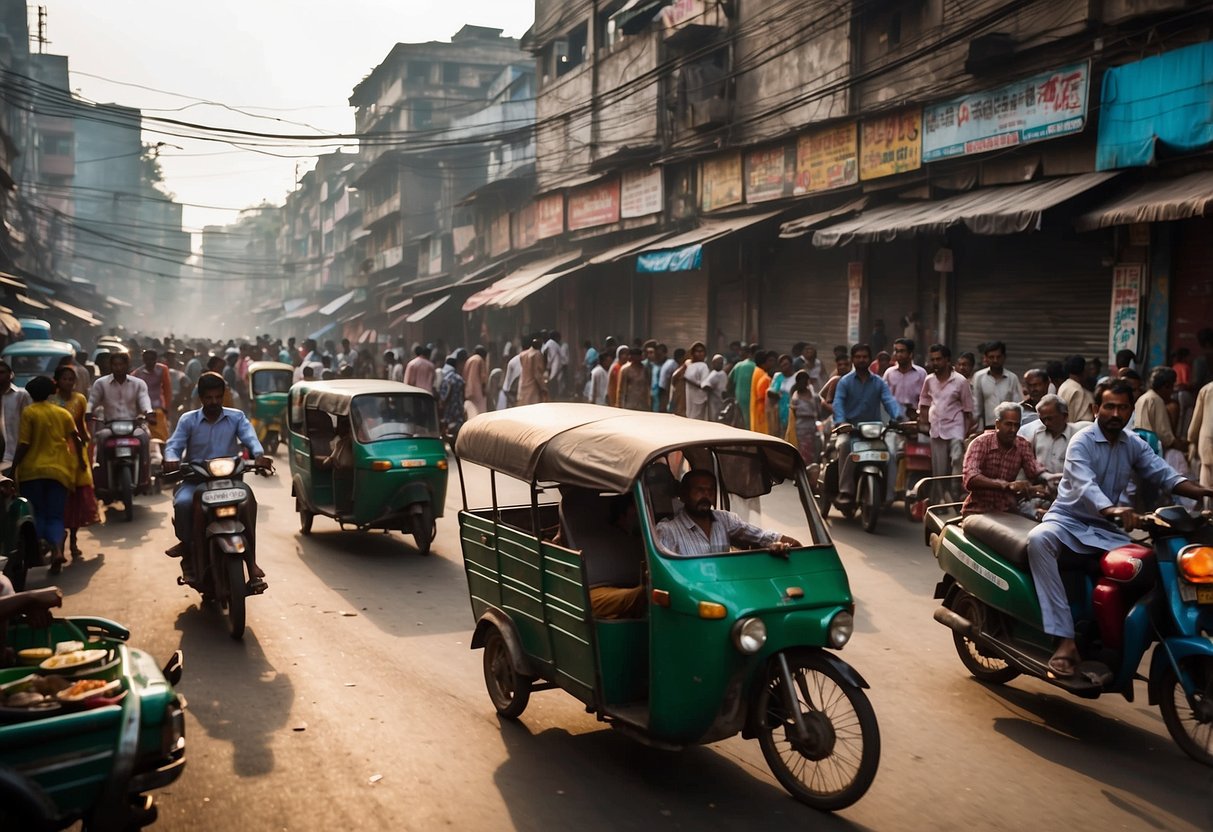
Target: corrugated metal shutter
[805, 299]
[728, 315]
[1192, 293]
[891, 276]
[1044, 295]
[679, 304]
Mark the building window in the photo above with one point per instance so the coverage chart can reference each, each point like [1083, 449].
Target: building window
[419, 70]
[423, 114]
[450, 73]
[57, 145]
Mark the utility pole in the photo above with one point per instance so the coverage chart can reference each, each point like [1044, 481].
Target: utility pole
[41, 37]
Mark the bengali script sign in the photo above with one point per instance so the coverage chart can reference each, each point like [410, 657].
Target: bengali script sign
[594, 205]
[1044, 106]
[550, 216]
[641, 193]
[770, 173]
[1126, 308]
[827, 159]
[720, 182]
[890, 144]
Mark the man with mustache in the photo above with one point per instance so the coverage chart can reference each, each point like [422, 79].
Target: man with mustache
[1099, 461]
[699, 529]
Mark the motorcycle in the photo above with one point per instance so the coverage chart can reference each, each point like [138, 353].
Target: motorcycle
[120, 465]
[1132, 597]
[870, 454]
[215, 564]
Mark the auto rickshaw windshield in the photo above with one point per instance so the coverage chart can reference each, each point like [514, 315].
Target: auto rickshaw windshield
[39, 364]
[393, 416]
[761, 494]
[271, 381]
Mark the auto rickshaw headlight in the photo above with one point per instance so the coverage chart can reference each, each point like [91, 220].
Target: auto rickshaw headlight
[841, 627]
[222, 467]
[749, 634]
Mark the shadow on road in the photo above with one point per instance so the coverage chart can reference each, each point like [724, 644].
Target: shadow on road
[74, 578]
[382, 577]
[1076, 734]
[556, 780]
[234, 693]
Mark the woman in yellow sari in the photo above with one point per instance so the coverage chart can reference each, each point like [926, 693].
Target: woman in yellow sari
[82, 501]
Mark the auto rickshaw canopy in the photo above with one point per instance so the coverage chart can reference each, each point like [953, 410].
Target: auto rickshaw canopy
[335, 396]
[603, 448]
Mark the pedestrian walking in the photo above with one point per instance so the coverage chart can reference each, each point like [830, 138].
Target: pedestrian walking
[47, 461]
[81, 509]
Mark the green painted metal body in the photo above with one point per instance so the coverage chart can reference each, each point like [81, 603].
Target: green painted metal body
[269, 382]
[35, 358]
[988, 577]
[73, 758]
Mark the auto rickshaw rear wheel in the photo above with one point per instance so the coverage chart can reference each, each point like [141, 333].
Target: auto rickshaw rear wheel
[509, 690]
[305, 517]
[833, 763]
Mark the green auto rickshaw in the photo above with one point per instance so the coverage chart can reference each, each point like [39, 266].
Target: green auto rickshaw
[269, 384]
[689, 643]
[369, 454]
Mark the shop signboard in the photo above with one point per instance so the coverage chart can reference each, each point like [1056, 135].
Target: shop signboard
[524, 230]
[890, 144]
[594, 205]
[854, 300]
[720, 182]
[1126, 309]
[770, 173]
[549, 221]
[1045, 106]
[827, 159]
[499, 235]
[641, 193]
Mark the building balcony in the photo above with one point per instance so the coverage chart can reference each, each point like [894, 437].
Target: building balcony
[374, 213]
[387, 258]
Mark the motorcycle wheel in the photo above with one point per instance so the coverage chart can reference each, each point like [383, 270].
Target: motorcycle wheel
[983, 668]
[425, 529]
[234, 573]
[869, 503]
[126, 491]
[509, 690]
[823, 503]
[305, 518]
[834, 766]
[1191, 729]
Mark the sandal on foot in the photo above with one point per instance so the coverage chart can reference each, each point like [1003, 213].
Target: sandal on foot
[1062, 666]
[256, 586]
[56, 566]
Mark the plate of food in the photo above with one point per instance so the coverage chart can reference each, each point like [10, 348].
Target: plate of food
[31, 698]
[88, 689]
[73, 661]
[34, 656]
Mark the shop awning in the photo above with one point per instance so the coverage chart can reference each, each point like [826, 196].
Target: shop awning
[684, 252]
[424, 312]
[324, 330]
[30, 302]
[367, 336]
[1006, 210]
[76, 312]
[407, 302]
[519, 277]
[516, 296]
[636, 14]
[799, 227]
[12, 280]
[10, 323]
[336, 303]
[622, 250]
[121, 304]
[296, 314]
[1161, 201]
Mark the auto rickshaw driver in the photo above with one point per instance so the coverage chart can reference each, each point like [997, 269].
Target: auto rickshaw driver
[698, 528]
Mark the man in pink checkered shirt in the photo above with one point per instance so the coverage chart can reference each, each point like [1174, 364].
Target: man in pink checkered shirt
[993, 462]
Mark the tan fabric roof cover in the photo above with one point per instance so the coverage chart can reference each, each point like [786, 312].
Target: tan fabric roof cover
[518, 278]
[1161, 201]
[517, 296]
[803, 225]
[588, 445]
[710, 230]
[425, 311]
[1008, 210]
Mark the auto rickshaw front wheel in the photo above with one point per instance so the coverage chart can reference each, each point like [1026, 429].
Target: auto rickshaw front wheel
[509, 690]
[829, 759]
[424, 529]
[305, 517]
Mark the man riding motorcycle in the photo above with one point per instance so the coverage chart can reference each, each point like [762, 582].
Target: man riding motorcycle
[210, 432]
[121, 397]
[859, 397]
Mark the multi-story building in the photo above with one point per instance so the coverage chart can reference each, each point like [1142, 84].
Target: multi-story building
[239, 272]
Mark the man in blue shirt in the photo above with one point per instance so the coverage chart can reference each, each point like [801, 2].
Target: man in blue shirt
[210, 432]
[858, 398]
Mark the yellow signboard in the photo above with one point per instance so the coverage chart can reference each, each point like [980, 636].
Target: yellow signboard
[827, 159]
[890, 144]
[720, 182]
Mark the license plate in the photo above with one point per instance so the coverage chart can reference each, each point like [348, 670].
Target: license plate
[122, 450]
[1204, 594]
[870, 456]
[223, 495]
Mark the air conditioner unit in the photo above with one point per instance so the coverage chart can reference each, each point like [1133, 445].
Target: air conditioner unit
[708, 113]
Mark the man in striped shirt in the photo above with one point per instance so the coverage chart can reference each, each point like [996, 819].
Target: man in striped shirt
[700, 529]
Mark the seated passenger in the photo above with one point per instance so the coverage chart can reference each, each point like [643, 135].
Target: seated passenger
[613, 561]
[341, 452]
[994, 460]
[700, 529]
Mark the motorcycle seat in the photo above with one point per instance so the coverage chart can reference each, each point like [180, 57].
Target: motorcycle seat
[1004, 533]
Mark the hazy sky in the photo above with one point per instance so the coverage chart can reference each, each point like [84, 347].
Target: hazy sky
[296, 61]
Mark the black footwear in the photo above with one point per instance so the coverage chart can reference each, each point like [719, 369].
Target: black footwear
[176, 551]
[256, 586]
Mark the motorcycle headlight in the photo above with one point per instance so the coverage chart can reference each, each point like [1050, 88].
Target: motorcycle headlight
[749, 634]
[1196, 564]
[870, 431]
[841, 627]
[221, 467]
[122, 428]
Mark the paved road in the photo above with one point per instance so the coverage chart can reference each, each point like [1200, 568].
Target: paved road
[354, 703]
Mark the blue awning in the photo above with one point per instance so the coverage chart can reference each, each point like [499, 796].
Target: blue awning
[324, 330]
[1160, 100]
[685, 259]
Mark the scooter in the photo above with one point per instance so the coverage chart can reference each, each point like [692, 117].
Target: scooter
[224, 516]
[1132, 597]
[870, 454]
[120, 464]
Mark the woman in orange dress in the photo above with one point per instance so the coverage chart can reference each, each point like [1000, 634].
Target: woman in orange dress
[82, 501]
